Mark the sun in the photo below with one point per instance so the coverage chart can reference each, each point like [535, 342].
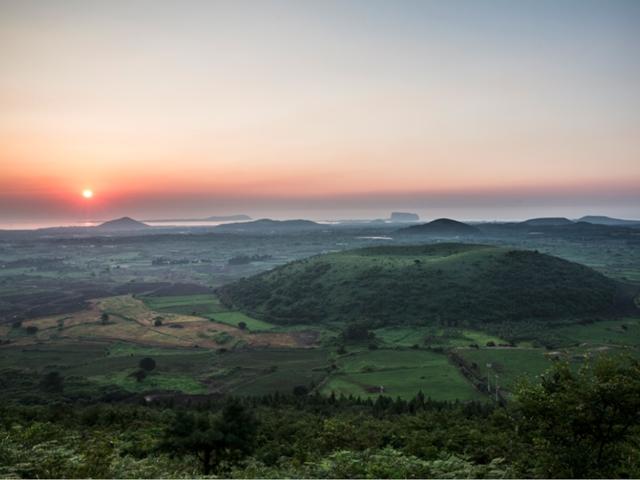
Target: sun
[87, 193]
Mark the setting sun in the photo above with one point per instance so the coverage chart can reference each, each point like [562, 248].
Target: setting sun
[87, 193]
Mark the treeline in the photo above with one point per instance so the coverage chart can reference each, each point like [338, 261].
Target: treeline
[569, 425]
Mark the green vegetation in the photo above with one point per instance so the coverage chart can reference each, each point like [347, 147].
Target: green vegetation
[205, 305]
[618, 332]
[88, 369]
[199, 304]
[508, 365]
[584, 421]
[313, 436]
[398, 373]
[434, 337]
[234, 319]
[131, 349]
[444, 284]
[226, 437]
[309, 350]
[127, 381]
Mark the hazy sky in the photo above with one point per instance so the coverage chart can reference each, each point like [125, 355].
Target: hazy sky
[472, 109]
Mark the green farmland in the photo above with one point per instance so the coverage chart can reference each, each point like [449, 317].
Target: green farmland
[398, 373]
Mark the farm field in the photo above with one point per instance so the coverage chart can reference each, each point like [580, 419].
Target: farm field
[623, 332]
[205, 305]
[129, 319]
[434, 337]
[509, 364]
[198, 304]
[398, 373]
[246, 372]
[234, 318]
[101, 355]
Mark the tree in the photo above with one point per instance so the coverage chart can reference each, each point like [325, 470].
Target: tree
[157, 322]
[104, 318]
[580, 423]
[242, 325]
[139, 375]
[227, 436]
[300, 390]
[147, 364]
[32, 329]
[52, 382]
[357, 331]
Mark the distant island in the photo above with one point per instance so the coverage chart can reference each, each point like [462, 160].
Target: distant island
[603, 220]
[267, 224]
[124, 223]
[402, 217]
[213, 218]
[442, 227]
[547, 221]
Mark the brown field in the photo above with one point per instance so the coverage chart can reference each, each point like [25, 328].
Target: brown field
[130, 320]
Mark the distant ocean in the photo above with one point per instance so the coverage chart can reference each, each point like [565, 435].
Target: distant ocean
[93, 223]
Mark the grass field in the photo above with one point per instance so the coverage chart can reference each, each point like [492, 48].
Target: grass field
[122, 349]
[510, 364]
[434, 336]
[200, 304]
[245, 372]
[270, 370]
[234, 318]
[617, 332]
[205, 305]
[153, 381]
[401, 373]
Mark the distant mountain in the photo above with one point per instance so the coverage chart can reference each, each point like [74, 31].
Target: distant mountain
[404, 217]
[438, 284]
[547, 221]
[124, 223]
[602, 220]
[267, 225]
[442, 227]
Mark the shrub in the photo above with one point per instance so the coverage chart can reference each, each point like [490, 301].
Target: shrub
[147, 364]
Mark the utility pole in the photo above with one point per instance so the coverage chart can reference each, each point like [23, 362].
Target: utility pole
[489, 377]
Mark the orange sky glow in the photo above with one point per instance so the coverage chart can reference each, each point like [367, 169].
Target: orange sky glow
[162, 108]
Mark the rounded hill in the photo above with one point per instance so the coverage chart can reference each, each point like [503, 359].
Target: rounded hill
[447, 284]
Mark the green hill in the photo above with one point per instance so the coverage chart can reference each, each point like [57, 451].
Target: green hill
[449, 284]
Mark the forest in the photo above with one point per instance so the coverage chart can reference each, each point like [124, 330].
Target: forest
[569, 423]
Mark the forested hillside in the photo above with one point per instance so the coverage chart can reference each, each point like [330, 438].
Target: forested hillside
[441, 284]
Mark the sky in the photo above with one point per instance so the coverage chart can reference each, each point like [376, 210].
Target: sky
[325, 109]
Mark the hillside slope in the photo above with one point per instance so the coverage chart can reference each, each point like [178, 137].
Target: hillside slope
[450, 284]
